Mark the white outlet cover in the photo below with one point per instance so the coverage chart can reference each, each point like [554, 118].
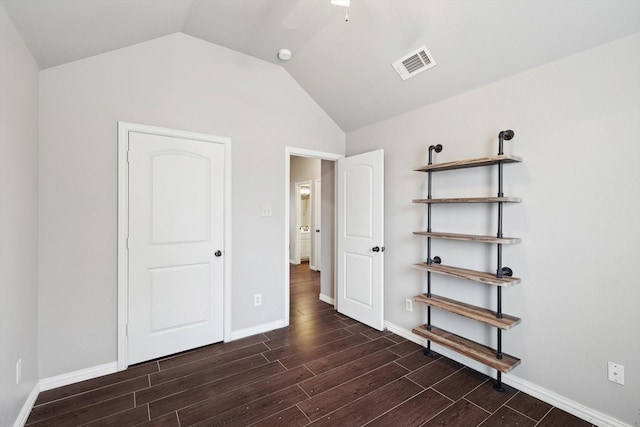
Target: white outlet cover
[616, 373]
[266, 210]
[408, 304]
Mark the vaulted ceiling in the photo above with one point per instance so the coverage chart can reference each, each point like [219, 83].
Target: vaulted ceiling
[344, 66]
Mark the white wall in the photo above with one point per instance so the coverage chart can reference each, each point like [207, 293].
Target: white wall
[18, 220]
[178, 82]
[327, 229]
[577, 126]
[302, 169]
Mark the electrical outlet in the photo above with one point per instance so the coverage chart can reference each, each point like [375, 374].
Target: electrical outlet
[616, 373]
[257, 299]
[266, 210]
[18, 371]
[408, 304]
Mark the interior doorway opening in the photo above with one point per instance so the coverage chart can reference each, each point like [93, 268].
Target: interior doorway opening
[316, 170]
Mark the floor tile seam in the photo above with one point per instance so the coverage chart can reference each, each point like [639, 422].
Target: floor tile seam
[352, 379]
[225, 375]
[476, 387]
[74, 396]
[353, 401]
[407, 367]
[545, 415]
[521, 413]
[304, 391]
[399, 404]
[102, 418]
[477, 406]
[274, 414]
[319, 346]
[419, 385]
[218, 396]
[349, 348]
[444, 378]
[343, 365]
[324, 355]
[195, 372]
[216, 355]
[442, 394]
[451, 403]
[75, 408]
[250, 402]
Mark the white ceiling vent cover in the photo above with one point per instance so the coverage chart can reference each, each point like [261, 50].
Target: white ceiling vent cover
[414, 63]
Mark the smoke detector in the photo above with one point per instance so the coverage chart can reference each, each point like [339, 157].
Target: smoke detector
[414, 63]
[284, 54]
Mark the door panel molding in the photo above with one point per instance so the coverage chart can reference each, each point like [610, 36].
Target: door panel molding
[124, 129]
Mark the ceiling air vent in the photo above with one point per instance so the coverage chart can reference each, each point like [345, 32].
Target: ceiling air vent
[414, 63]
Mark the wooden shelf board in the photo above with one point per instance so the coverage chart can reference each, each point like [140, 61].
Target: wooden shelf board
[470, 237]
[471, 349]
[461, 164]
[463, 273]
[470, 200]
[467, 310]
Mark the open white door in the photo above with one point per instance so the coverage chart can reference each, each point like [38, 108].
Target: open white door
[176, 243]
[360, 238]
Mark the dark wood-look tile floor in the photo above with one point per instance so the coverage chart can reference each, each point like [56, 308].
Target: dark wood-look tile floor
[325, 369]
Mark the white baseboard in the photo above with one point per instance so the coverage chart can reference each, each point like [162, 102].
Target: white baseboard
[548, 396]
[254, 330]
[327, 299]
[77, 376]
[27, 407]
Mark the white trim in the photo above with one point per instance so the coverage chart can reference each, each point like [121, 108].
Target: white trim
[123, 224]
[548, 396]
[288, 152]
[315, 237]
[77, 376]
[21, 420]
[327, 299]
[255, 330]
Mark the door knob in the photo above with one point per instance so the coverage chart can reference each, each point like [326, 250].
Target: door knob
[376, 249]
[317, 231]
[218, 253]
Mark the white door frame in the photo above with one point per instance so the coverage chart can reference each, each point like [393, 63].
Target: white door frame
[300, 152]
[123, 224]
[314, 257]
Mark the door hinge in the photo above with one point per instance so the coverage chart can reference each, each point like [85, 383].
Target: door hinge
[127, 243]
[126, 330]
[128, 156]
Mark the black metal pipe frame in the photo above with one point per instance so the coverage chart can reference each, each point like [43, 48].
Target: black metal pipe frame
[502, 136]
[437, 149]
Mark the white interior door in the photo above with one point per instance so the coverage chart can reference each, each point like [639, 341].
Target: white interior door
[360, 238]
[176, 238]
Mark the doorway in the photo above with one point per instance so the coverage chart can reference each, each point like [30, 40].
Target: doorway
[326, 260]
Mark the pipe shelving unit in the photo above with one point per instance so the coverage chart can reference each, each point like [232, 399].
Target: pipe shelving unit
[503, 276]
